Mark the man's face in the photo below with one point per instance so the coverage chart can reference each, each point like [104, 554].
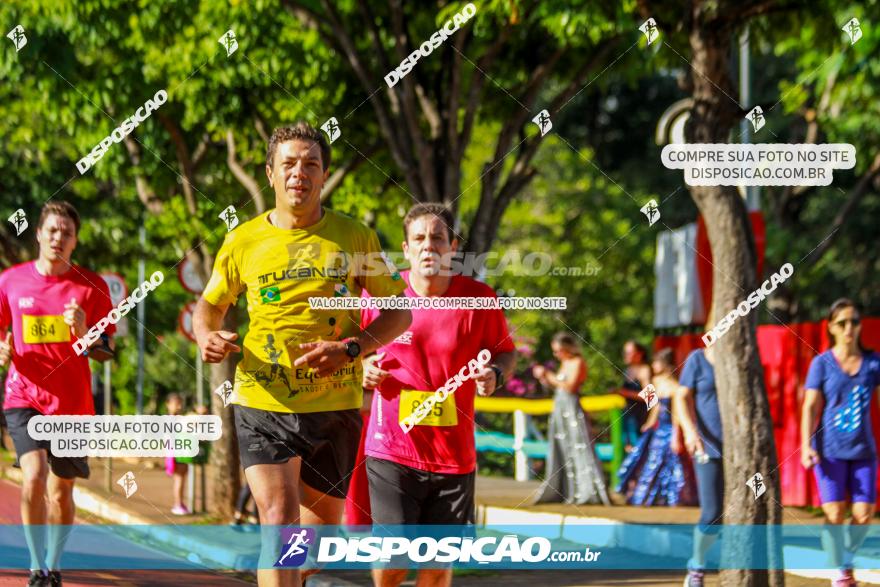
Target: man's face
[427, 246]
[297, 175]
[57, 238]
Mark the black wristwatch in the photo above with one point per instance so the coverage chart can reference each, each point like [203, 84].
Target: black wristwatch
[499, 376]
[352, 349]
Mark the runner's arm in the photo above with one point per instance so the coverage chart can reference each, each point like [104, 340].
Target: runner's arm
[809, 417]
[103, 349]
[385, 328]
[213, 342]
[683, 402]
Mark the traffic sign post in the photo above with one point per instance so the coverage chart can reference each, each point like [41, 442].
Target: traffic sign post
[118, 292]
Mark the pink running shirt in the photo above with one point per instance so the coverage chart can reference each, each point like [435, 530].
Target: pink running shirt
[46, 374]
[436, 346]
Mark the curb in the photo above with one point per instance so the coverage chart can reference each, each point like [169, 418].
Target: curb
[652, 541]
[93, 503]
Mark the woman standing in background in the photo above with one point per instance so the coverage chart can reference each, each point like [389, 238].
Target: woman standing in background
[655, 472]
[573, 471]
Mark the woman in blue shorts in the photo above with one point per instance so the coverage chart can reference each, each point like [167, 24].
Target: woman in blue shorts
[700, 420]
[841, 450]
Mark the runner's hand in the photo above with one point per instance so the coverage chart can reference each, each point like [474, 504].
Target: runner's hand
[809, 457]
[538, 371]
[694, 444]
[485, 380]
[217, 344]
[373, 374]
[6, 349]
[75, 317]
[323, 356]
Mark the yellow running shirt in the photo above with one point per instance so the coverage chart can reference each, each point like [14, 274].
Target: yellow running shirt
[280, 270]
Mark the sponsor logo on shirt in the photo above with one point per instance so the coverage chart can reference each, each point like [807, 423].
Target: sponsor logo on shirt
[270, 295]
[405, 338]
[25, 303]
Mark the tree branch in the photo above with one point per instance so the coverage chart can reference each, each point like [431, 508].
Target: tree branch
[183, 159]
[339, 37]
[248, 181]
[866, 184]
[336, 178]
[406, 92]
[145, 191]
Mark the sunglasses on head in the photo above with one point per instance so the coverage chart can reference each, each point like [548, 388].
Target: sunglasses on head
[842, 323]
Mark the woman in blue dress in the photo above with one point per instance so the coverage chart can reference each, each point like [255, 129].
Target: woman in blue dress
[655, 472]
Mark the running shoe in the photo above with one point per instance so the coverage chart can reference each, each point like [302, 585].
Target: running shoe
[694, 579]
[54, 579]
[180, 510]
[846, 579]
[37, 579]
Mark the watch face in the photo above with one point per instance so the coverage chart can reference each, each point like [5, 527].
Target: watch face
[353, 349]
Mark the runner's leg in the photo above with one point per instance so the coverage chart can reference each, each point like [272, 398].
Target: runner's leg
[863, 489]
[832, 531]
[179, 479]
[710, 487]
[317, 508]
[275, 491]
[61, 515]
[434, 578]
[35, 471]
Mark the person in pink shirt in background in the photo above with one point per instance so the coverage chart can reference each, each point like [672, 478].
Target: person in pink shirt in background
[427, 475]
[49, 304]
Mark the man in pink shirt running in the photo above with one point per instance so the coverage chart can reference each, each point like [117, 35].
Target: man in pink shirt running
[49, 304]
[426, 475]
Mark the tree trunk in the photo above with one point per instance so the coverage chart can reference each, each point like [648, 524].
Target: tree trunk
[748, 428]
[224, 458]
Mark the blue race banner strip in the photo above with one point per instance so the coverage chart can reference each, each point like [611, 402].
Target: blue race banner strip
[566, 547]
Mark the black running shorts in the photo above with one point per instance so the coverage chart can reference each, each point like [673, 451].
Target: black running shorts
[65, 467]
[404, 495]
[327, 442]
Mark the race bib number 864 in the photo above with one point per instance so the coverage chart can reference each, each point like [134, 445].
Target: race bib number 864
[41, 329]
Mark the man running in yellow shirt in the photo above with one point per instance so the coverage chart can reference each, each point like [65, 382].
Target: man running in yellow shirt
[298, 385]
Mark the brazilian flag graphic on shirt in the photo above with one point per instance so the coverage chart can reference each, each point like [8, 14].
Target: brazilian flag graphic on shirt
[269, 295]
